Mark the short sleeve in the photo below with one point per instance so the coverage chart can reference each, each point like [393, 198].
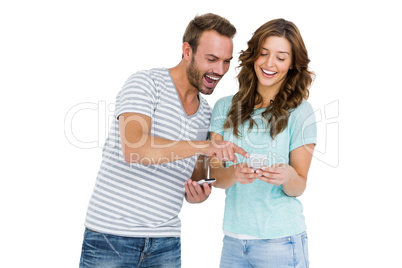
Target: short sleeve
[303, 127]
[137, 95]
[219, 114]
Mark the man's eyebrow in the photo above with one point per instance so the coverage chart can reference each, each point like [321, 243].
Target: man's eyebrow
[212, 55]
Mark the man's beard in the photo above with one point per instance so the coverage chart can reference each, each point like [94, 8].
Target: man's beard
[196, 79]
[194, 75]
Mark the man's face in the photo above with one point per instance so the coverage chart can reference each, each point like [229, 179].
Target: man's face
[211, 61]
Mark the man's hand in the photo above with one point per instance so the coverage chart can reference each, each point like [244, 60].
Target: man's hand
[224, 150]
[196, 193]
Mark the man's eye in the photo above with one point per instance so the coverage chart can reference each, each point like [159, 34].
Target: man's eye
[211, 60]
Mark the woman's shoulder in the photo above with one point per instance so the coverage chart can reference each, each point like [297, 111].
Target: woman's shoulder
[302, 114]
[224, 102]
[304, 107]
[226, 99]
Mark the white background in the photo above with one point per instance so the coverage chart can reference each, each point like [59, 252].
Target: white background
[59, 57]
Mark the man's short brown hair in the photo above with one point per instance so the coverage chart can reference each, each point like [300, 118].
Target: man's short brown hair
[202, 23]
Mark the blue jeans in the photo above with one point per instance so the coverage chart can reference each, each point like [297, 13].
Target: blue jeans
[291, 251]
[104, 250]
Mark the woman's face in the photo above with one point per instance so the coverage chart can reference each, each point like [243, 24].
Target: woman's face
[272, 66]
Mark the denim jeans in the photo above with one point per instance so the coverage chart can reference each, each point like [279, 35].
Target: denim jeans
[291, 251]
[104, 250]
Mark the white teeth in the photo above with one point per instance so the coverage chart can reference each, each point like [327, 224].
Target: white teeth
[268, 72]
[213, 78]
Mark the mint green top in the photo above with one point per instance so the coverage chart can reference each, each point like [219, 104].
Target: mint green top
[260, 209]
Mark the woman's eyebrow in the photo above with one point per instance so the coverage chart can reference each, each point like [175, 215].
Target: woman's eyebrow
[277, 52]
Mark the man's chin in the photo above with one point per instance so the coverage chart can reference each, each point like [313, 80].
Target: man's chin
[206, 91]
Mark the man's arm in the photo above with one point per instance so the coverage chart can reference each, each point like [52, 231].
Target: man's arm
[196, 193]
[139, 146]
[224, 176]
[200, 169]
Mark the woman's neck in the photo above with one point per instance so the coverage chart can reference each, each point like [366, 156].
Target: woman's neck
[268, 96]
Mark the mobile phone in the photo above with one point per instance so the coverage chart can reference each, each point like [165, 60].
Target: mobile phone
[209, 181]
[257, 161]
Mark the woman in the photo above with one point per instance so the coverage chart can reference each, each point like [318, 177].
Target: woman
[263, 223]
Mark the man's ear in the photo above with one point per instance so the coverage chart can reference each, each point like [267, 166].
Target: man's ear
[187, 51]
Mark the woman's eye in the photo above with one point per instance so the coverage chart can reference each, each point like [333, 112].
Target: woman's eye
[281, 59]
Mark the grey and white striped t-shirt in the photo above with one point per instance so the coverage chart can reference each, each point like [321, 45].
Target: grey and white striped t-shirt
[138, 200]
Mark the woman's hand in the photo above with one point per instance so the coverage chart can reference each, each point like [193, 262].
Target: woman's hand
[292, 176]
[277, 174]
[244, 174]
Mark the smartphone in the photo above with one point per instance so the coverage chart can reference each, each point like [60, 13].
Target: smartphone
[209, 181]
[257, 161]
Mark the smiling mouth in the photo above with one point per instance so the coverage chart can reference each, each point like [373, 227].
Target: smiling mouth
[268, 72]
[211, 81]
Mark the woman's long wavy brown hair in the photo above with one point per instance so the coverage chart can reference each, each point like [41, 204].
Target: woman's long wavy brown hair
[293, 90]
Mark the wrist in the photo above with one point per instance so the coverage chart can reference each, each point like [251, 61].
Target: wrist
[200, 147]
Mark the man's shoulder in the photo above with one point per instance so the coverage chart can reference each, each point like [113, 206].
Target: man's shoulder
[156, 80]
[151, 73]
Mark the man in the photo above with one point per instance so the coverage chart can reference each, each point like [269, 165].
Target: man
[158, 133]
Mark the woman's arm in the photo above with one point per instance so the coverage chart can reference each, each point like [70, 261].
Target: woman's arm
[292, 177]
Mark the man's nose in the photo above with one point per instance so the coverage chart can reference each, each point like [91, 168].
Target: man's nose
[220, 69]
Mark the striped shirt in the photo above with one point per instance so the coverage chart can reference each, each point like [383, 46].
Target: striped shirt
[138, 200]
